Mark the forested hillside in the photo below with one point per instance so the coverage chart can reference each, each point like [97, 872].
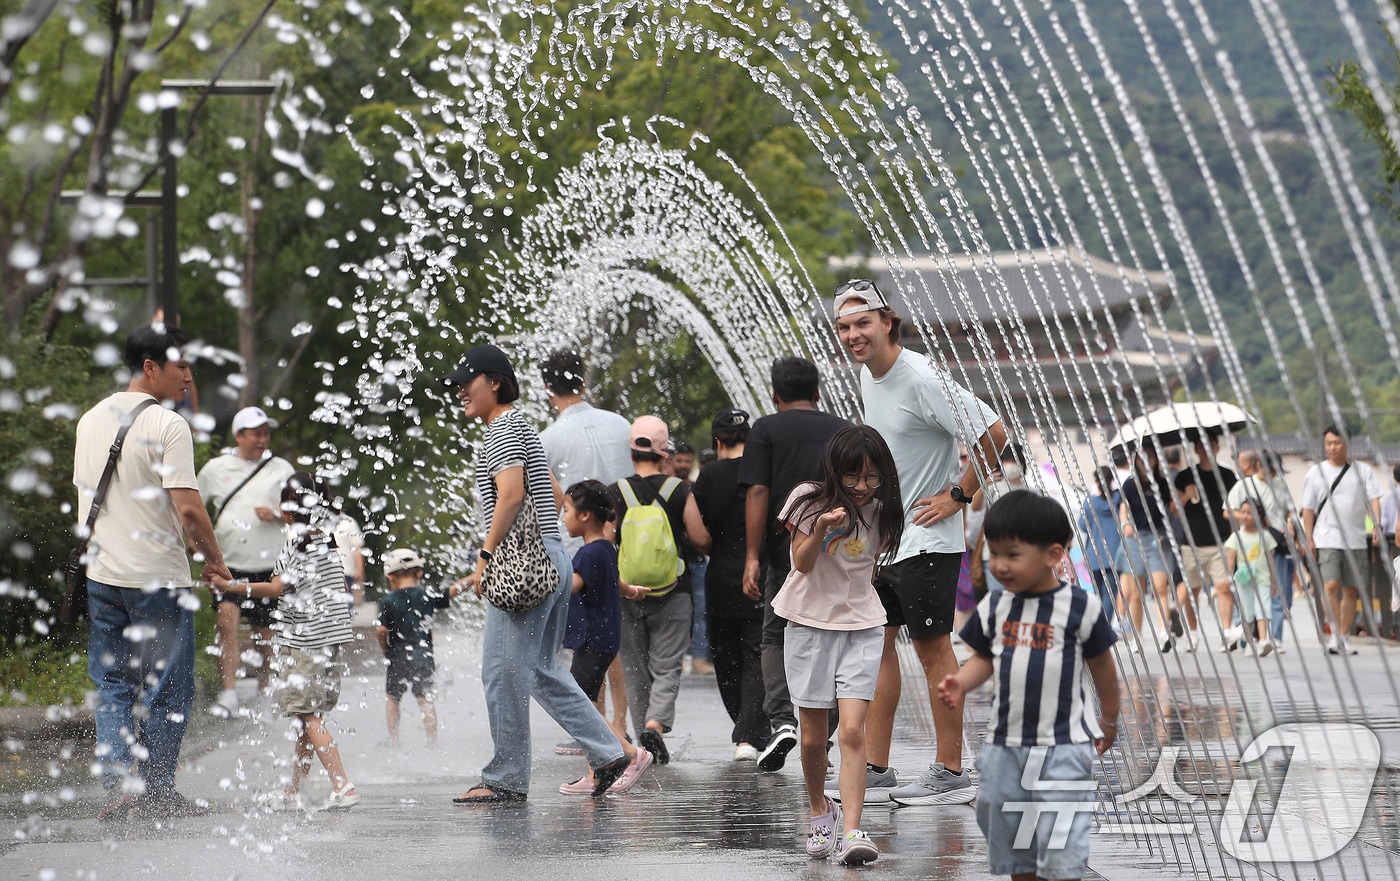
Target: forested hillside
[1013, 52]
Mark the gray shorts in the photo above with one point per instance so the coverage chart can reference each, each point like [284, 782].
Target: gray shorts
[1350, 567]
[1020, 823]
[308, 681]
[824, 666]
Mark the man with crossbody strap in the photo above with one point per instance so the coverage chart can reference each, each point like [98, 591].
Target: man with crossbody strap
[140, 604]
[1337, 497]
[245, 488]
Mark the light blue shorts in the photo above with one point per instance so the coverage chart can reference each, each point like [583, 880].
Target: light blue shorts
[1140, 555]
[1254, 601]
[824, 666]
[1044, 828]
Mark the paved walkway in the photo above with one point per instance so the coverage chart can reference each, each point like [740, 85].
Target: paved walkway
[702, 817]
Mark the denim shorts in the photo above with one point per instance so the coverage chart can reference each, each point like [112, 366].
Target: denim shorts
[1020, 823]
[1140, 555]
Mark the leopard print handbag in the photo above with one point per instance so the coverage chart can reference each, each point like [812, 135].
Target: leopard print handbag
[520, 574]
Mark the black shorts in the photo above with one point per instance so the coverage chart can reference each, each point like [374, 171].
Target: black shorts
[921, 593]
[403, 675]
[590, 669]
[257, 611]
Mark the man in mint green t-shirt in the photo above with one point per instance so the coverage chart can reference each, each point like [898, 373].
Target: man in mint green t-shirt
[922, 414]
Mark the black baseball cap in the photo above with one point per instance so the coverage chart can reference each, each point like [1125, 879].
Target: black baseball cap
[728, 420]
[484, 358]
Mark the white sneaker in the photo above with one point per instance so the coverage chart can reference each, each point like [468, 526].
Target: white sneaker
[1189, 642]
[226, 707]
[1348, 648]
[1334, 645]
[342, 799]
[745, 752]
[1264, 648]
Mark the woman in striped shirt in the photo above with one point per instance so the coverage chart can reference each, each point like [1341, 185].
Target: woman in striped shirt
[520, 650]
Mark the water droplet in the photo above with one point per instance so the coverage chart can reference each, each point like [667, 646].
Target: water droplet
[23, 255]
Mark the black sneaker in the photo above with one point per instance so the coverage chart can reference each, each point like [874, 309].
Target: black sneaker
[168, 805]
[776, 752]
[651, 740]
[1175, 626]
[609, 774]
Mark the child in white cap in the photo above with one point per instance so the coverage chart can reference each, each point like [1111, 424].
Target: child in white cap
[405, 632]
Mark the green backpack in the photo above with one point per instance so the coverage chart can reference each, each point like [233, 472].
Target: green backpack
[647, 555]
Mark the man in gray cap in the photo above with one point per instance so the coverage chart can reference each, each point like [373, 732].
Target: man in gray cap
[922, 414]
[244, 488]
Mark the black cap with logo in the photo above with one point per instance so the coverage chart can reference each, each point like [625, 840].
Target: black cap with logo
[484, 358]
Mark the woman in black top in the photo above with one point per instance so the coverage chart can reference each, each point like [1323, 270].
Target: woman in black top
[1142, 517]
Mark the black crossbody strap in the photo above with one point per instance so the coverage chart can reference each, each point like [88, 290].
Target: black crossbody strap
[1252, 490]
[105, 483]
[1328, 497]
[228, 498]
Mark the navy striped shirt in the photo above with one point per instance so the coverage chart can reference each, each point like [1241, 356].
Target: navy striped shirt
[511, 442]
[1038, 644]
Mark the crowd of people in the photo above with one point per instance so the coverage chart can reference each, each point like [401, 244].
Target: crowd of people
[788, 566]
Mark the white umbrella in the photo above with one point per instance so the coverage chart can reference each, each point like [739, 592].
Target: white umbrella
[1175, 423]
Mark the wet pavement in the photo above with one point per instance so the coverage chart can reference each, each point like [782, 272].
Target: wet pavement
[704, 816]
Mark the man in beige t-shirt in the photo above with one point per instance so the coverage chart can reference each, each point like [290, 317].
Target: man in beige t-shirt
[140, 603]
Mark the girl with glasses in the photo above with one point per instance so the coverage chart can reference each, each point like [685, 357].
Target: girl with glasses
[835, 632]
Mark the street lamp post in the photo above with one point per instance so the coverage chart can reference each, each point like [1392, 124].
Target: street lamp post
[170, 260]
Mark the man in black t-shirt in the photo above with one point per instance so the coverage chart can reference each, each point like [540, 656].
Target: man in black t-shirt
[735, 620]
[656, 629]
[1203, 489]
[783, 450]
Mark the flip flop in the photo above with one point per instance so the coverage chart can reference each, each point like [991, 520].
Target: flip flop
[483, 794]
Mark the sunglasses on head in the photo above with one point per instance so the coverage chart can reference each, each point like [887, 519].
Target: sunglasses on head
[856, 286]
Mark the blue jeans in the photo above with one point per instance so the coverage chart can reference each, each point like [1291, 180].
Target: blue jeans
[1106, 586]
[699, 626]
[1284, 598]
[156, 671]
[1063, 788]
[520, 658]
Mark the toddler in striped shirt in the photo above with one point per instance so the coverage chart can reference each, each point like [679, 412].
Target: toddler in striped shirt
[311, 623]
[1040, 640]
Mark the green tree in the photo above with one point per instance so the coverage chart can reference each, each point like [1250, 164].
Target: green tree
[1349, 91]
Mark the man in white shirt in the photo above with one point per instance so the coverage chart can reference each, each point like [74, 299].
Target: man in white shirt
[1390, 510]
[922, 414]
[584, 443]
[1338, 495]
[350, 544]
[244, 487]
[140, 604]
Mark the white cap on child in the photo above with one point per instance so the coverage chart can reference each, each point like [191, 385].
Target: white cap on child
[400, 560]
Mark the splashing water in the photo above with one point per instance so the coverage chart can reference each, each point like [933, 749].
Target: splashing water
[1008, 125]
